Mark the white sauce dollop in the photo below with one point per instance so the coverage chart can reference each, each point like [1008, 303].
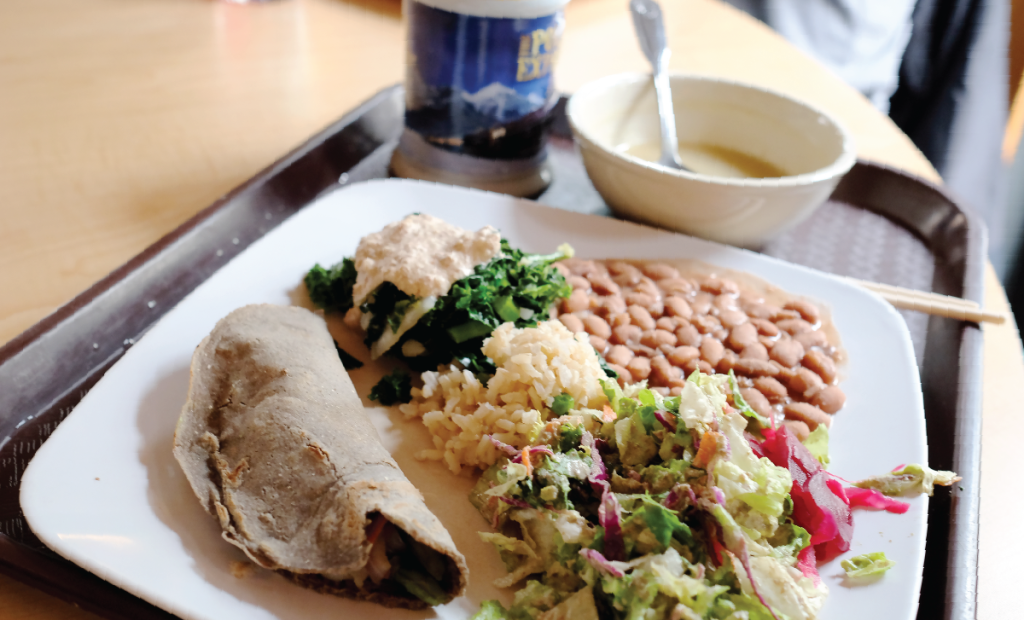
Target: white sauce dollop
[421, 255]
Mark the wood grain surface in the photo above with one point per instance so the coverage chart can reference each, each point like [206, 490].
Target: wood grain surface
[120, 120]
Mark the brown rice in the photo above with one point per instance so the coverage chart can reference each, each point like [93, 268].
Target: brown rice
[534, 365]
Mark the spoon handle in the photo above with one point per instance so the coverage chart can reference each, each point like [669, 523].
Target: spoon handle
[650, 29]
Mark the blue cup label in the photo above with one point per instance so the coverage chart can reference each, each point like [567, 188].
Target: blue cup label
[480, 85]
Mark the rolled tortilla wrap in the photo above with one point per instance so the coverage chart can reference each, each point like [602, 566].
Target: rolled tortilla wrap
[278, 447]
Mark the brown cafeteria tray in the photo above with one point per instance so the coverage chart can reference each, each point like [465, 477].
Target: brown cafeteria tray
[878, 225]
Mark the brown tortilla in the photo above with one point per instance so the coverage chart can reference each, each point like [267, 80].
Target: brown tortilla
[278, 447]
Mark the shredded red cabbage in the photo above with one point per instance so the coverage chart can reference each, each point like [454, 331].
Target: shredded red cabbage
[666, 420]
[533, 450]
[611, 521]
[514, 501]
[719, 495]
[600, 562]
[871, 498]
[509, 451]
[745, 560]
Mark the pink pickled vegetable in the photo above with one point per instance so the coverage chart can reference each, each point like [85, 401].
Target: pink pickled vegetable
[871, 498]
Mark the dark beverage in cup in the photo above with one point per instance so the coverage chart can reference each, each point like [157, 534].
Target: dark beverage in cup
[479, 92]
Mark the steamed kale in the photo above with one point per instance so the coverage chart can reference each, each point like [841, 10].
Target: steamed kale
[331, 289]
[393, 389]
[514, 286]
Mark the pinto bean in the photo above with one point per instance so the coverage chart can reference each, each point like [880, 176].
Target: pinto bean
[668, 323]
[642, 349]
[720, 334]
[807, 310]
[742, 336]
[732, 318]
[766, 341]
[822, 364]
[599, 344]
[774, 391]
[679, 307]
[705, 323]
[794, 326]
[596, 326]
[648, 287]
[572, 322]
[756, 351]
[663, 372]
[784, 315]
[765, 327]
[619, 355]
[810, 339]
[757, 401]
[581, 267]
[705, 367]
[651, 305]
[688, 335]
[628, 279]
[681, 355]
[659, 271]
[803, 381]
[717, 286]
[658, 337]
[787, 352]
[754, 368]
[618, 267]
[665, 349]
[798, 428]
[711, 351]
[807, 413]
[576, 302]
[625, 334]
[675, 286]
[724, 302]
[701, 302]
[619, 319]
[562, 269]
[579, 282]
[758, 311]
[603, 285]
[640, 317]
[829, 399]
[624, 376]
[608, 306]
[639, 368]
[728, 361]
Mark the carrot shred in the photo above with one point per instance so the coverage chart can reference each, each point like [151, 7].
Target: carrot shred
[708, 446]
[609, 414]
[527, 461]
[373, 532]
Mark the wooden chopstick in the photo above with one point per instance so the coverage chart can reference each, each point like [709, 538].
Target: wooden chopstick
[931, 303]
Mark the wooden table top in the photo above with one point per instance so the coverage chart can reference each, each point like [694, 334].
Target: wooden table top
[120, 120]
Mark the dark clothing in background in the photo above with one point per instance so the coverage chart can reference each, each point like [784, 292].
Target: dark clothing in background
[951, 96]
[952, 101]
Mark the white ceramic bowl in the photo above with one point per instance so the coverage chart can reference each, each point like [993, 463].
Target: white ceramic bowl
[808, 145]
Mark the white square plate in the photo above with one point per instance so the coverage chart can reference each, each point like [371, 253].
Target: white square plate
[105, 492]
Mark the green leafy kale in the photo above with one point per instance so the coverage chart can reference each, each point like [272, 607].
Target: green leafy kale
[348, 360]
[331, 289]
[392, 389]
[513, 287]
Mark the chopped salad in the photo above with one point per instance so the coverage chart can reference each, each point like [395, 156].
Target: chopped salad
[674, 507]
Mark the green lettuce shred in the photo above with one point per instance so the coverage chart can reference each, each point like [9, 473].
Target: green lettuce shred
[867, 565]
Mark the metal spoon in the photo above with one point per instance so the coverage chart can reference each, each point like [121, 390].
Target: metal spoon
[650, 29]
